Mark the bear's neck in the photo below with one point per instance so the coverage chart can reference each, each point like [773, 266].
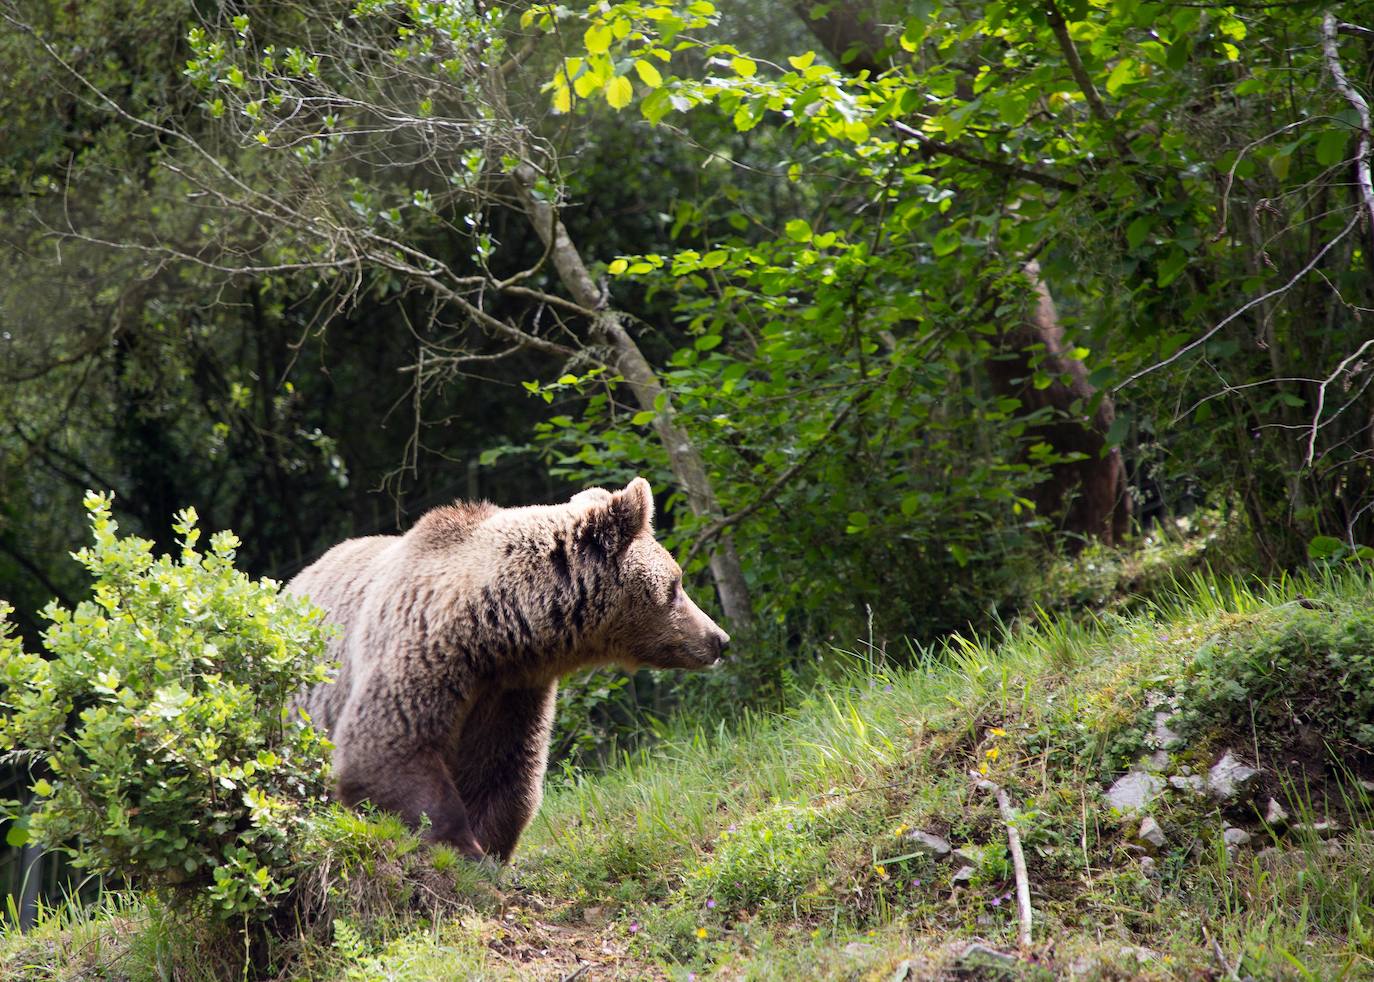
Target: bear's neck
[544, 613]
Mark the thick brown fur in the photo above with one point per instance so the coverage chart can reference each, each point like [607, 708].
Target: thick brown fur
[454, 636]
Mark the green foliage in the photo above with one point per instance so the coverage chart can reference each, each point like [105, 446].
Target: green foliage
[1293, 671]
[770, 858]
[157, 725]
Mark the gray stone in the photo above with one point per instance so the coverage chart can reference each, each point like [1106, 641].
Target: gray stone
[1148, 867]
[1133, 791]
[1162, 737]
[963, 875]
[929, 843]
[1190, 783]
[1235, 837]
[1317, 828]
[1230, 779]
[1274, 813]
[1156, 762]
[1151, 834]
[858, 948]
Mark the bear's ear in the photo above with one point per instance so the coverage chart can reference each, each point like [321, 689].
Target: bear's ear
[612, 522]
[634, 507]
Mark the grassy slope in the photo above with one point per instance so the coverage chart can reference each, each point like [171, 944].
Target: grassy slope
[779, 850]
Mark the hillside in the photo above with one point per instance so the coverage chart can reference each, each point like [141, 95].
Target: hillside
[848, 837]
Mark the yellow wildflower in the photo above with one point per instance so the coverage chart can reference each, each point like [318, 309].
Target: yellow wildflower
[881, 870]
[997, 731]
[701, 932]
[992, 753]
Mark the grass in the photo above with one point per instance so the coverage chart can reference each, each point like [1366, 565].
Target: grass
[777, 847]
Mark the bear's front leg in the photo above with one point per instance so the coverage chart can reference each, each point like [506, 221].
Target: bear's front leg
[498, 762]
[413, 786]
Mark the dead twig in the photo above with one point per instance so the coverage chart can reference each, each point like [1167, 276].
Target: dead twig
[1220, 955]
[1018, 859]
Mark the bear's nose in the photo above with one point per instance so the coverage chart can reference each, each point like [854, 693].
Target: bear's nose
[722, 642]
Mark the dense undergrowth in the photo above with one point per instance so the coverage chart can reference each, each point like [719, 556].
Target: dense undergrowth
[782, 846]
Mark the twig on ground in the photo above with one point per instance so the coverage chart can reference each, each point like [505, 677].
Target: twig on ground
[1018, 859]
[1220, 955]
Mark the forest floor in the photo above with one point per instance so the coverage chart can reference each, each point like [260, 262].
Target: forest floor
[1189, 779]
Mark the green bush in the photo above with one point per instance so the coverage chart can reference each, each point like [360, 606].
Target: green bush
[1293, 668]
[157, 727]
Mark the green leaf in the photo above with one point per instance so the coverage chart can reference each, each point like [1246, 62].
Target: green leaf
[946, 241]
[619, 92]
[648, 73]
[1324, 547]
[1138, 230]
[1331, 147]
[1172, 265]
[598, 39]
[798, 230]
[643, 416]
[744, 67]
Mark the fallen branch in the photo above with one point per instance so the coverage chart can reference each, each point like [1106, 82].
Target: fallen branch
[1018, 859]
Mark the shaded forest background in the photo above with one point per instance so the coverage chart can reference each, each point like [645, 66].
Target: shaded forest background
[893, 303]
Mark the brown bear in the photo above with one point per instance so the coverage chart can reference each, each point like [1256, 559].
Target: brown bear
[454, 636]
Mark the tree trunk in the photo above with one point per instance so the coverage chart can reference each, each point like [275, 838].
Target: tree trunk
[1087, 497]
[609, 326]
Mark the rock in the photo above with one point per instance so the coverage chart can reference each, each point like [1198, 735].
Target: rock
[976, 952]
[1274, 813]
[1367, 785]
[1162, 737]
[857, 948]
[1316, 828]
[964, 874]
[1230, 780]
[1133, 791]
[1190, 783]
[1151, 834]
[929, 843]
[1332, 850]
[1234, 837]
[1148, 866]
[1156, 762]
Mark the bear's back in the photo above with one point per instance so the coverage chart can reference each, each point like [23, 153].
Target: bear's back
[338, 583]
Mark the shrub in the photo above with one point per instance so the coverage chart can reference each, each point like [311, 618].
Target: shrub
[158, 728]
[1294, 668]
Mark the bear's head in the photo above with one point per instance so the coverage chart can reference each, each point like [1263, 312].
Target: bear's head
[652, 621]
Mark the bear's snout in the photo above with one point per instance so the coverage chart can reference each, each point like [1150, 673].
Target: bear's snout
[722, 641]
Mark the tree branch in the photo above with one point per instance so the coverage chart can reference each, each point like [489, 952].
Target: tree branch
[1096, 106]
[767, 494]
[1331, 50]
[999, 167]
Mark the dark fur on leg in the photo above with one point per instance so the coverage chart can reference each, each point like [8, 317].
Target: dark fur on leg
[498, 763]
[420, 785]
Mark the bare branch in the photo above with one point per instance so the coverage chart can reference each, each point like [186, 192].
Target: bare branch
[1363, 180]
[1209, 334]
[1321, 398]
